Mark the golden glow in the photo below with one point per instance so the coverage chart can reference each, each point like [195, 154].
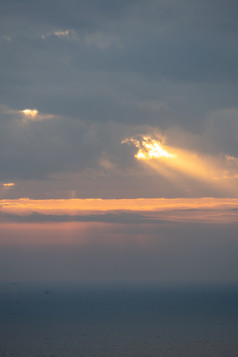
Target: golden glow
[8, 185]
[169, 211]
[76, 205]
[33, 115]
[149, 148]
[30, 113]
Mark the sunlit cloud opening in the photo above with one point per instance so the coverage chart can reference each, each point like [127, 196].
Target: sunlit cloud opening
[174, 164]
[149, 148]
[4, 187]
[8, 184]
[30, 113]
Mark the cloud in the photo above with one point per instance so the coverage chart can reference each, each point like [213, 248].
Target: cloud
[172, 162]
[4, 109]
[118, 217]
[168, 40]
[232, 160]
[82, 154]
[149, 148]
[109, 71]
[156, 106]
[31, 115]
[106, 164]
[221, 125]
[61, 34]
[102, 40]
[7, 38]
[28, 115]
[127, 211]
[8, 185]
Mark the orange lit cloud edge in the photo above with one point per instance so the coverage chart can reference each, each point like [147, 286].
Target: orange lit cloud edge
[205, 209]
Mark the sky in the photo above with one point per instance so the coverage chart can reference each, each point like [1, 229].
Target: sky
[119, 140]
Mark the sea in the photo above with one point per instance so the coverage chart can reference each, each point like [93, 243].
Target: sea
[92, 319]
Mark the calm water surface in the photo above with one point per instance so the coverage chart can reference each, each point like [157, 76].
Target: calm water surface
[75, 319]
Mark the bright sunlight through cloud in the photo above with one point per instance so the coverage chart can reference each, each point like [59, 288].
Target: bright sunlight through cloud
[149, 148]
[30, 113]
[8, 184]
[208, 169]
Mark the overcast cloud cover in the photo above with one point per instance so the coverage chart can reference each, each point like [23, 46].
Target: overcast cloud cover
[77, 78]
[100, 71]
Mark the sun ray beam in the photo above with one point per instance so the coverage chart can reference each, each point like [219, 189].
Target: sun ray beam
[173, 163]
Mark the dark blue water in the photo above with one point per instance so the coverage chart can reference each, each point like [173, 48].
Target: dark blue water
[75, 319]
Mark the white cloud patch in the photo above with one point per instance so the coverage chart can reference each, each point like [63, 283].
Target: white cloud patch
[60, 34]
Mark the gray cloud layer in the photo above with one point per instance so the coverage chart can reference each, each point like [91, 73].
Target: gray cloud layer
[118, 217]
[107, 70]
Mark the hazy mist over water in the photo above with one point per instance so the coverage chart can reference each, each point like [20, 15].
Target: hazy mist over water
[118, 319]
